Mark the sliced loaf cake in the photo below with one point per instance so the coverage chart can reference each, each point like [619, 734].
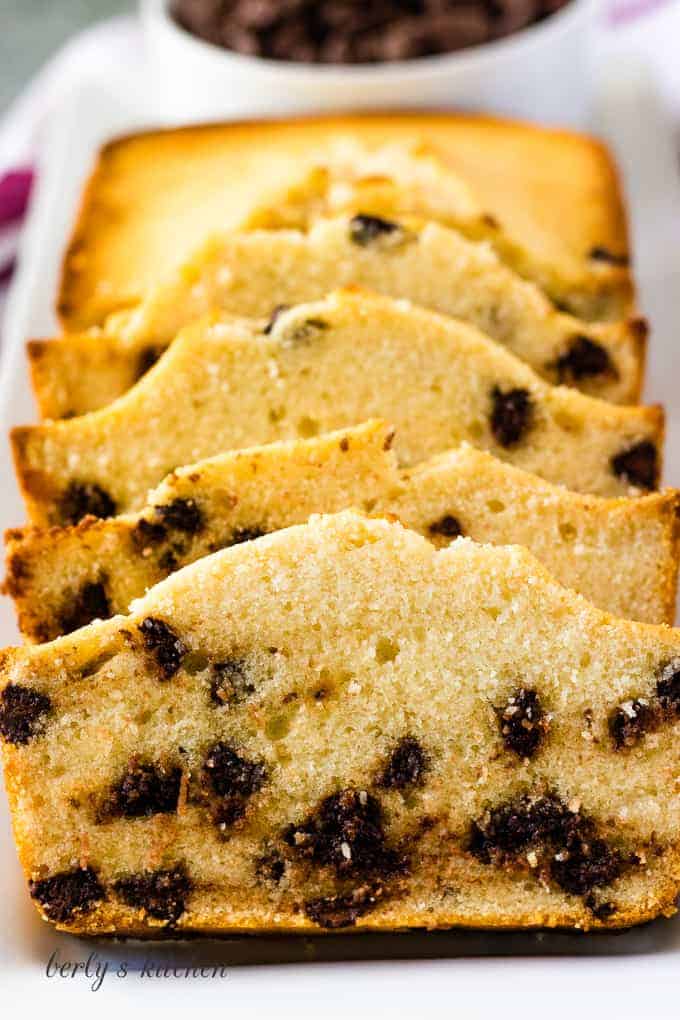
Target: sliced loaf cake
[622, 554]
[339, 726]
[226, 384]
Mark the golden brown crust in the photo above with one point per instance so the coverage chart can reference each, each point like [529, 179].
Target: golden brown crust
[107, 267]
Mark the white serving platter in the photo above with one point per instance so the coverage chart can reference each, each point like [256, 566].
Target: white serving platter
[464, 975]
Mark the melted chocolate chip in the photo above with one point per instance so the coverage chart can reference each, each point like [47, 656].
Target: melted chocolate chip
[91, 603]
[164, 643]
[579, 860]
[342, 911]
[511, 828]
[147, 359]
[143, 790]
[182, 514]
[601, 254]
[231, 779]
[230, 684]
[602, 909]
[277, 312]
[584, 864]
[629, 722]
[511, 415]
[67, 893]
[240, 535]
[147, 534]
[447, 526]
[407, 766]
[668, 688]
[23, 712]
[582, 360]
[82, 498]
[364, 230]
[161, 894]
[523, 723]
[639, 465]
[271, 867]
[168, 561]
[346, 833]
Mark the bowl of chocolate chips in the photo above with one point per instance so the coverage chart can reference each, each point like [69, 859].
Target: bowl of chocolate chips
[217, 58]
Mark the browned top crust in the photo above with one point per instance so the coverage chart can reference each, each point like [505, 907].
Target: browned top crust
[556, 191]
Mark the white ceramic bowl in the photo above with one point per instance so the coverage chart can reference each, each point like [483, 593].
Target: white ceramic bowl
[539, 73]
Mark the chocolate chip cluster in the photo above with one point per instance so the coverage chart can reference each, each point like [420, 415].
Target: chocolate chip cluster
[355, 31]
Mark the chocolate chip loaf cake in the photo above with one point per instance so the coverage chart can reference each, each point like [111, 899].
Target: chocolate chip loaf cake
[338, 726]
[621, 554]
[249, 273]
[229, 383]
[554, 193]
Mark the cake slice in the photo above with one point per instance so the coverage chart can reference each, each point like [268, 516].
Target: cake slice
[394, 181]
[556, 193]
[337, 726]
[621, 554]
[250, 273]
[226, 384]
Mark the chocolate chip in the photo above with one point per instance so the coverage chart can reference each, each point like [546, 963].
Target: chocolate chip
[511, 415]
[82, 498]
[274, 317]
[142, 791]
[523, 723]
[168, 561]
[582, 360]
[630, 721]
[602, 910]
[148, 357]
[408, 38]
[342, 911]
[182, 514]
[364, 230]
[240, 535]
[447, 526]
[68, 893]
[639, 465]
[271, 867]
[161, 894]
[232, 779]
[346, 833]
[407, 766]
[583, 864]
[509, 829]
[668, 688]
[164, 643]
[230, 684]
[23, 712]
[146, 534]
[601, 254]
[91, 603]
[578, 859]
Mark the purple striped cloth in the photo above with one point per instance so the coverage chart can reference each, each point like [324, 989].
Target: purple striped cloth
[15, 192]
